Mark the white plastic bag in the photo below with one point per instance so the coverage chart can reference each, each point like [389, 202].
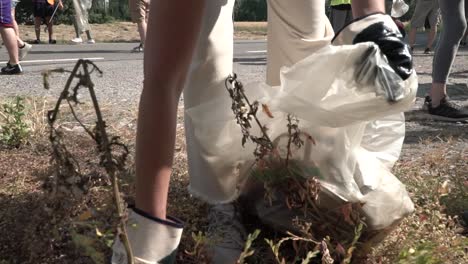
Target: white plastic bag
[355, 117]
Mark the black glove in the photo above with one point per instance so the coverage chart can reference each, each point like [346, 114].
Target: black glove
[382, 30]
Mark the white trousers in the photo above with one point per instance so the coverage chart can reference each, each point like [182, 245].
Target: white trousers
[296, 28]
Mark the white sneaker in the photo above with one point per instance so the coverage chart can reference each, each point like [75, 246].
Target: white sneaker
[90, 41]
[22, 52]
[77, 40]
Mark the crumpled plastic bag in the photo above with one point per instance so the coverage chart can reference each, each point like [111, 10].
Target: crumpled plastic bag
[350, 101]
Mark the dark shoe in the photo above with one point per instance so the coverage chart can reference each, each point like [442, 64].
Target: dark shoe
[427, 51]
[12, 69]
[52, 41]
[446, 110]
[463, 43]
[37, 41]
[138, 49]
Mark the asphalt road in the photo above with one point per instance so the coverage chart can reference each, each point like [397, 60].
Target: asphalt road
[122, 79]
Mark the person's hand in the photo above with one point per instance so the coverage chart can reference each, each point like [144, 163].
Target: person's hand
[383, 31]
[400, 26]
[152, 240]
[60, 5]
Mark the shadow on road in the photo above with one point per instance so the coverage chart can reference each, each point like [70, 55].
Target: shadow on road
[251, 61]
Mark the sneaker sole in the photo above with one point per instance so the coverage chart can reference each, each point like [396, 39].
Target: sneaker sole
[448, 119]
[20, 73]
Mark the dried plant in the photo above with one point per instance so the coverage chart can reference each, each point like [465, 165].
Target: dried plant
[297, 183]
[246, 112]
[113, 153]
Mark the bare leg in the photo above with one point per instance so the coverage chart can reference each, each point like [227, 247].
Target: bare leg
[9, 39]
[37, 27]
[142, 30]
[88, 34]
[412, 37]
[365, 7]
[437, 92]
[77, 31]
[50, 25]
[166, 67]
[431, 37]
[15, 27]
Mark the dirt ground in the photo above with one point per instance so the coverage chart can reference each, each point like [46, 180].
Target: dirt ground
[127, 32]
[39, 227]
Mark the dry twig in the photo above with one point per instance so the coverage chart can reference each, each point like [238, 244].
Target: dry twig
[66, 165]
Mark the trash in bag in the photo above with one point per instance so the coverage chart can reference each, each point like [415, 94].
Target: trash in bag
[350, 103]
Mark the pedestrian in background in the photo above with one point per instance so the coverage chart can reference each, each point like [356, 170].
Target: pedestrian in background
[139, 10]
[23, 47]
[81, 22]
[7, 32]
[340, 13]
[426, 10]
[455, 25]
[43, 11]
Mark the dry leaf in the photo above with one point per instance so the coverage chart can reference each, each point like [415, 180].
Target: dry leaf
[423, 217]
[326, 258]
[267, 111]
[85, 215]
[98, 233]
[346, 210]
[444, 189]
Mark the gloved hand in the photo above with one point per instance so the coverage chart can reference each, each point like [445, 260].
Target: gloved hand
[400, 26]
[382, 30]
[152, 240]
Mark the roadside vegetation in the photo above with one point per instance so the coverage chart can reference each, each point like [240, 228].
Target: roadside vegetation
[48, 219]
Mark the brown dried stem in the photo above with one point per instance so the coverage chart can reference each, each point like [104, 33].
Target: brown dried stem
[111, 163]
[239, 102]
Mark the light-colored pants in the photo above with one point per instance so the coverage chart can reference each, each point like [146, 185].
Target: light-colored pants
[425, 9]
[295, 30]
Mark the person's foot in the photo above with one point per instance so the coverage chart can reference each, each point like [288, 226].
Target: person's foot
[152, 240]
[446, 110]
[463, 43]
[91, 41]
[52, 41]
[12, 69]
[23, 51]
[37, 41]
[226, 233]
[138, 48]
[427, 51]
[77, 41]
